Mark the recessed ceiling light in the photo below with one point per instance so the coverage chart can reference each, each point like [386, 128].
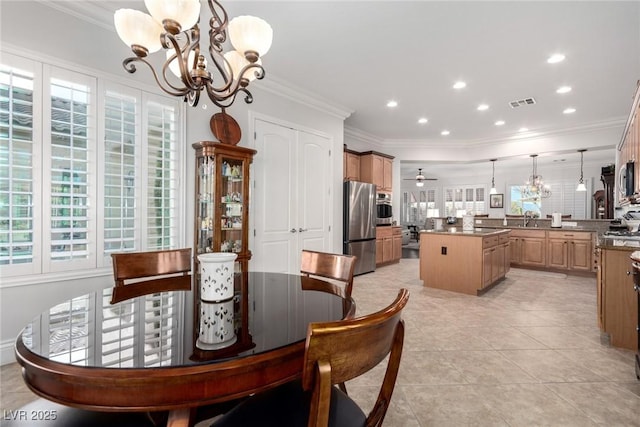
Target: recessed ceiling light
[392, 104]
[422, 120]
[555, 58]
[523, 129]
[569, 110]
[564, 89]
[459, 85]
[499, 123]
[445, 133]
[483, 107]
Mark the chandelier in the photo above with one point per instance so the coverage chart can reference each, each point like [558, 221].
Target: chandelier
[172, 25]
[535, 188]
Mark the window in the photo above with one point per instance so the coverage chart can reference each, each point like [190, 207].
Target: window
[464, 200]
[88, 168]
[564, 199]
[17, 168]
[416, 205]
[520, 204]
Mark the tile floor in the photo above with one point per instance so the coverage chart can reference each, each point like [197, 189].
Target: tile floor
[527, 353]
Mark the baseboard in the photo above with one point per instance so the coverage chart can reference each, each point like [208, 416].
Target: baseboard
[7, 354]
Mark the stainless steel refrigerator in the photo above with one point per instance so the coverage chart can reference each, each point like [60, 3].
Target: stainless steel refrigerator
[359, 228]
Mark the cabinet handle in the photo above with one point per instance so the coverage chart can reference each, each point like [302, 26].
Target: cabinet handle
[636, 288]
[303, 229]
[293, 230]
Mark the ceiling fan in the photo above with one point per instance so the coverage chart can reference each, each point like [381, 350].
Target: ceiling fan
[420, 178]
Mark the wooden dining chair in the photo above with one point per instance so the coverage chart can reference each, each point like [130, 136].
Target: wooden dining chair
[142, 273]
[330, 266]
[335, 352]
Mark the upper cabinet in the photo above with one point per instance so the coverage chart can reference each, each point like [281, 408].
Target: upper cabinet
[377, 168]
[351, 166]
[629, 151]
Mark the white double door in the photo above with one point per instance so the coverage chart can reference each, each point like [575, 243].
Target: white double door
[291, 196]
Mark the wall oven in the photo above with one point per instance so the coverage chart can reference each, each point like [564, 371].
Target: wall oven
[384, 211]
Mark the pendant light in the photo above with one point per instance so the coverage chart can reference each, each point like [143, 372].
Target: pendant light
[493, 177]
[581, 186]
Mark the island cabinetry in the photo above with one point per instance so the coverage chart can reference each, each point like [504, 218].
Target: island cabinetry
[528, 247]
[617, 300]
[388, 245]
[469, 263]
[570, 250]
[351, 166]
[377, 168]
[495, 258]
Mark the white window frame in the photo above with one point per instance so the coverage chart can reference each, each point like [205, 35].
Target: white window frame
[42, 269]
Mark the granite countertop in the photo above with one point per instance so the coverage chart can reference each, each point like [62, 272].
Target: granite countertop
[477, 232]
[617, 244]
[519, 227]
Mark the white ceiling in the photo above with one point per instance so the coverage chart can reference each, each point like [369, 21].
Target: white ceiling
[360, 54]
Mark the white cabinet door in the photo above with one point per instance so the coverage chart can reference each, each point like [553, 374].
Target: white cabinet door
[291, 195]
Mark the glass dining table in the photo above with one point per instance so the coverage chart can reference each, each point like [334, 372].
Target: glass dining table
[142, 354]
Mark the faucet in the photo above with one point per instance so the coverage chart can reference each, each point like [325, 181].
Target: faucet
[528, 217]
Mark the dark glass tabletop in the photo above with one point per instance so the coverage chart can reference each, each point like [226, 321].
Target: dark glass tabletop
[161, 330]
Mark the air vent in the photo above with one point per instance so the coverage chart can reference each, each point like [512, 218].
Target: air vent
[522, 102]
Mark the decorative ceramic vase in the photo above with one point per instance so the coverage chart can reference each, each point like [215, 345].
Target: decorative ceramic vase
[217, 329]
[216, 276]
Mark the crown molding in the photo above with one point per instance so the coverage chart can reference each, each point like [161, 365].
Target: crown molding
[92, 12]
[362, 136]
[614, 123]
[278, 87]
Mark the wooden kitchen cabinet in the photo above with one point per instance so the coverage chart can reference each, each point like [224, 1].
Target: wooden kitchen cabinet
[377, 168]
[351, 166]
[388, 245]
[629, 149]
[528, 247]
[617, 300]
[494, 259]
[570, 250]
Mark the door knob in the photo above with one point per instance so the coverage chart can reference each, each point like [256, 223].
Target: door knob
[303, 229]
[293, 230]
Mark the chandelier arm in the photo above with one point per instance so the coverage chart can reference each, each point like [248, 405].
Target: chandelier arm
[217, 26]
[192, 43]
[129, 65]
[225, 71]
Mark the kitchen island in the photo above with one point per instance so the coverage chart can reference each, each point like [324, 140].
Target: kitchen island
[469, 262]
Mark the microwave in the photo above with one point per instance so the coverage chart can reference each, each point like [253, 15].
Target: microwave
[627, 182]
[384, 210]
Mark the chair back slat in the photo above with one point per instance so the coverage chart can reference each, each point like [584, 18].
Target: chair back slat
[331, 266]
[140, 273]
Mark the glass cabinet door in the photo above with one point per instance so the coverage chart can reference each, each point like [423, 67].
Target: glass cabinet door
[231, 204]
